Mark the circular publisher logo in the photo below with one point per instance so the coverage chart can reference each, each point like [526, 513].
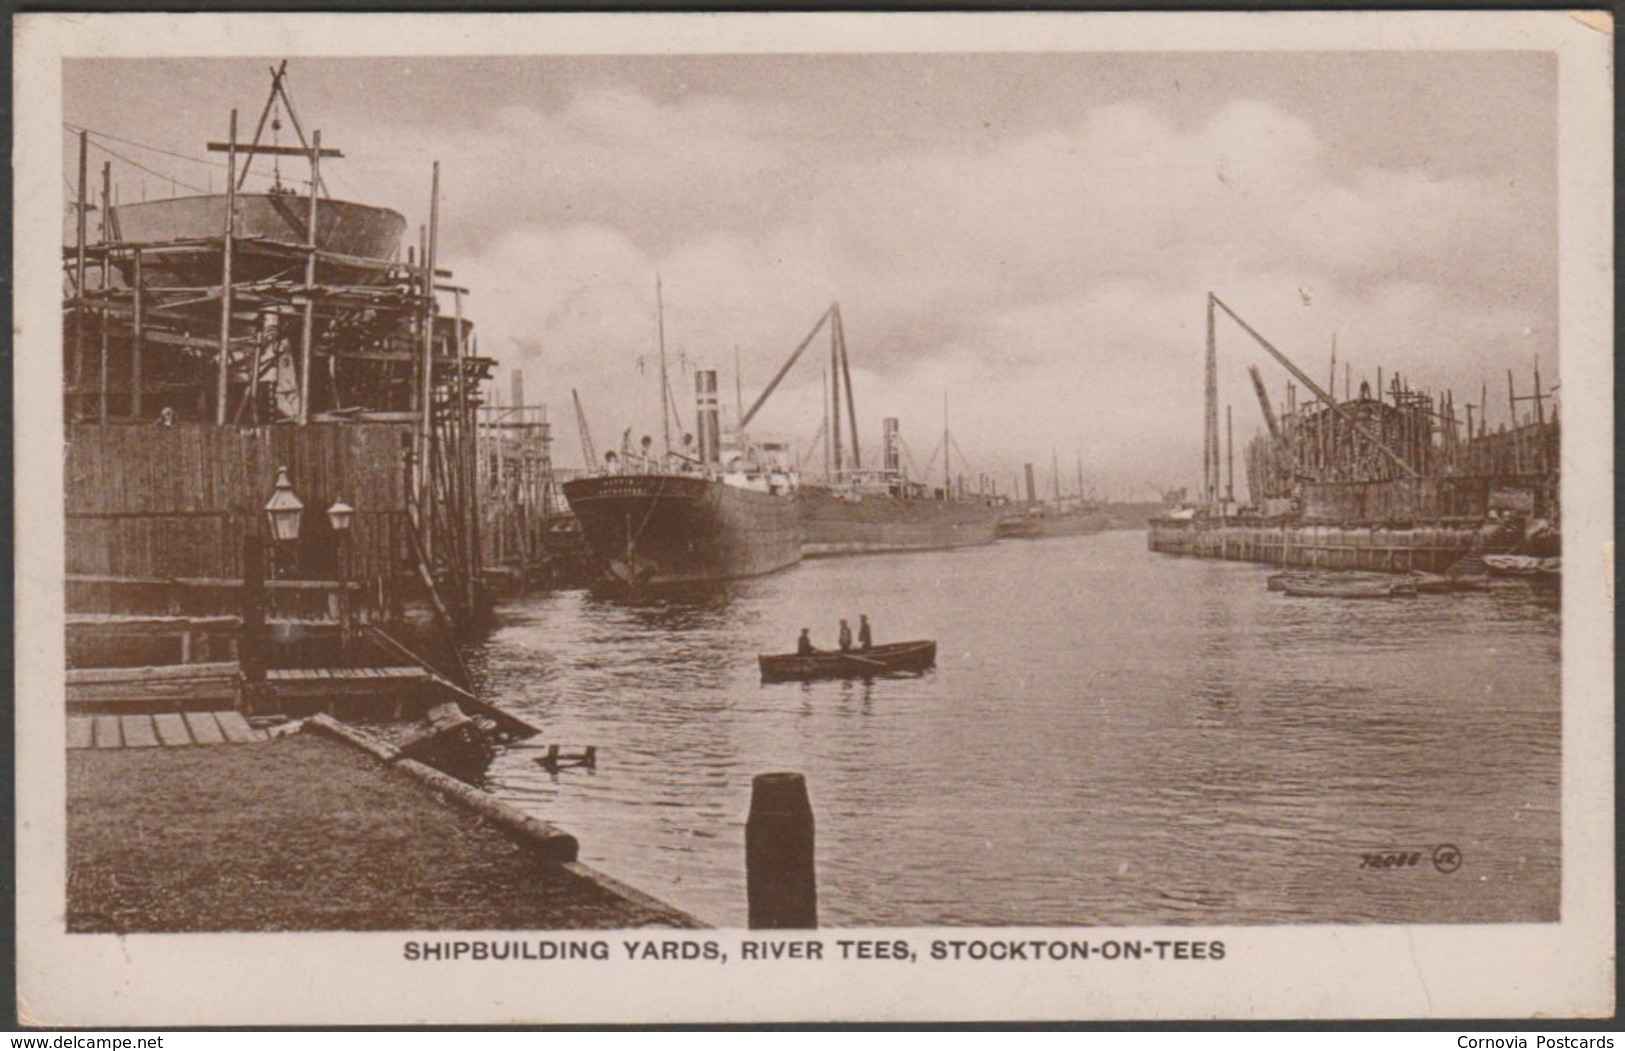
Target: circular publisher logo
[1446, 857]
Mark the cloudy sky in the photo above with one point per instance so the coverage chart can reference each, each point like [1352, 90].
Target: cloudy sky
[1031, 235]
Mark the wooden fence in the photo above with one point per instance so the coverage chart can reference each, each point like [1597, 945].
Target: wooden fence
[149, 501]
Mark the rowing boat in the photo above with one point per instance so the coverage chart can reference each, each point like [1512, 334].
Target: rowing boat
[896, 658]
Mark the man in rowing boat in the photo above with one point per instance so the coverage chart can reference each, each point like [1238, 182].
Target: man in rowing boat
[846, 637]
[804, 644]
[866, 638]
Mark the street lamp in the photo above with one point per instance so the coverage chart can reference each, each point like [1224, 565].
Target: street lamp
[341, 516]
[283, 510]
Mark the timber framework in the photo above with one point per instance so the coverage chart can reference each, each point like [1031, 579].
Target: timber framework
[224, 347]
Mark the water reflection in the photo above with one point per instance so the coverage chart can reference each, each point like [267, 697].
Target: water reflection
[1110, 737]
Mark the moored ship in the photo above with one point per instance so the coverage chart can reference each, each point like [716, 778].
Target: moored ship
[659, 523]
[1060, 516]
[860, 518]
[1047, 520]
[875, 511]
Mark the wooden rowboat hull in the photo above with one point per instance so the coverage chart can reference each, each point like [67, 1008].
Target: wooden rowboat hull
[1399, 590]
[897, 658]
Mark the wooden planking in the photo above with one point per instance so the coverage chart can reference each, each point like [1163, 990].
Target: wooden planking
[171, 729]
[204, 729]
[224, 671]
[235, 727]
[81, 731]
[138, 731]
[147, 500]
[107, 732]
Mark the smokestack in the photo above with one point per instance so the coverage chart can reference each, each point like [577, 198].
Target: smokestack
[518, 380]
[892, 443]
[1032, 492]
[708, 415]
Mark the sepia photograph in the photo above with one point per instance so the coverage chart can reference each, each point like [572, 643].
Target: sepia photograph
[627, 519]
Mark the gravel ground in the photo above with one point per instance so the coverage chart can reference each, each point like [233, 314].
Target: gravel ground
[300, 833]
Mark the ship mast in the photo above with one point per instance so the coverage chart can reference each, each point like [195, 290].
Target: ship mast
[660, 329]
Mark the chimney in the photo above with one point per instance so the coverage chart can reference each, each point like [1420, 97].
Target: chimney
[892, 443]
[708, 415]
[1032, 492]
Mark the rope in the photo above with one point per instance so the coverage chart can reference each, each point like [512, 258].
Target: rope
[94, 134]
[150, 171]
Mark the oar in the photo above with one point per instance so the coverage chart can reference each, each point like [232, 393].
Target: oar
[866, 660]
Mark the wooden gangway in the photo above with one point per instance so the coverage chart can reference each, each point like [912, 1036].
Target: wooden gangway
[161, 729]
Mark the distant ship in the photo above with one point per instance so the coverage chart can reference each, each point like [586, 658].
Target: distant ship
[723, 515]
[861, 511]
[1045, 520]
[873, 511]
[870, 516]
[1060, 516]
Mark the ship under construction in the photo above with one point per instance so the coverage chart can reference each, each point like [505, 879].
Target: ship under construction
[1385, 478]
[260, 385]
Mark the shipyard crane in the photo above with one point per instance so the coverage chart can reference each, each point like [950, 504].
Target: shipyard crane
[1264, 402]
[588, 453]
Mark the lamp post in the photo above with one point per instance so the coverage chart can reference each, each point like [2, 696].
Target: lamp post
[283, 510]
[341, 516]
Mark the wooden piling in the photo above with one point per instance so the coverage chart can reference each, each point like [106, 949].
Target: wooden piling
[780, 882]
[309, 318]
[107, 257]
[251, 645]
[225, 277]
[135, 347]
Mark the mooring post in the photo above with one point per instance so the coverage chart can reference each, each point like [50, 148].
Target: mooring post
[779, 880]
[251, 642]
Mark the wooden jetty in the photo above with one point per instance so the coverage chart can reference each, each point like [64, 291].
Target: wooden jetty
[162, 729]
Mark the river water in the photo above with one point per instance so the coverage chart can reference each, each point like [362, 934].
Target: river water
[1111, 736]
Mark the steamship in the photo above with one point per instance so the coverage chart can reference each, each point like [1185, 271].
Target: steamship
[875, 511]
[657, 523]
[1058, 516]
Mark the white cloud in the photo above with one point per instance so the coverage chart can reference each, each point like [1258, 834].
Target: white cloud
[1052, 281]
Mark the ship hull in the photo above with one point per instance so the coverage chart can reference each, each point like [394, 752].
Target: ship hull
[648, 531]
[269, 226]
[1037, 527]
[839, 524]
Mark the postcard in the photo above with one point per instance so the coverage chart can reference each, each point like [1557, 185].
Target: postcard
[622, 518]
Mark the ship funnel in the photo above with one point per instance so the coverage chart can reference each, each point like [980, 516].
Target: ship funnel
[893, 444]
[1032, 492]
[708, 415]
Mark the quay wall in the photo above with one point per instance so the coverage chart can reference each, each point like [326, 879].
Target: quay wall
[1432, 549]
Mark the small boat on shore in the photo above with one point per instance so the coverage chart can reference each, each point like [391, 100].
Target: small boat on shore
[1305, 578]
[1371, 585]
[1523, 565]
[1445, 583]
[895, 658]
[1402, 587]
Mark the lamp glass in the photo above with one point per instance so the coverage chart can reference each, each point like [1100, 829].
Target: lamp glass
[340, 516]
[284, 508]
